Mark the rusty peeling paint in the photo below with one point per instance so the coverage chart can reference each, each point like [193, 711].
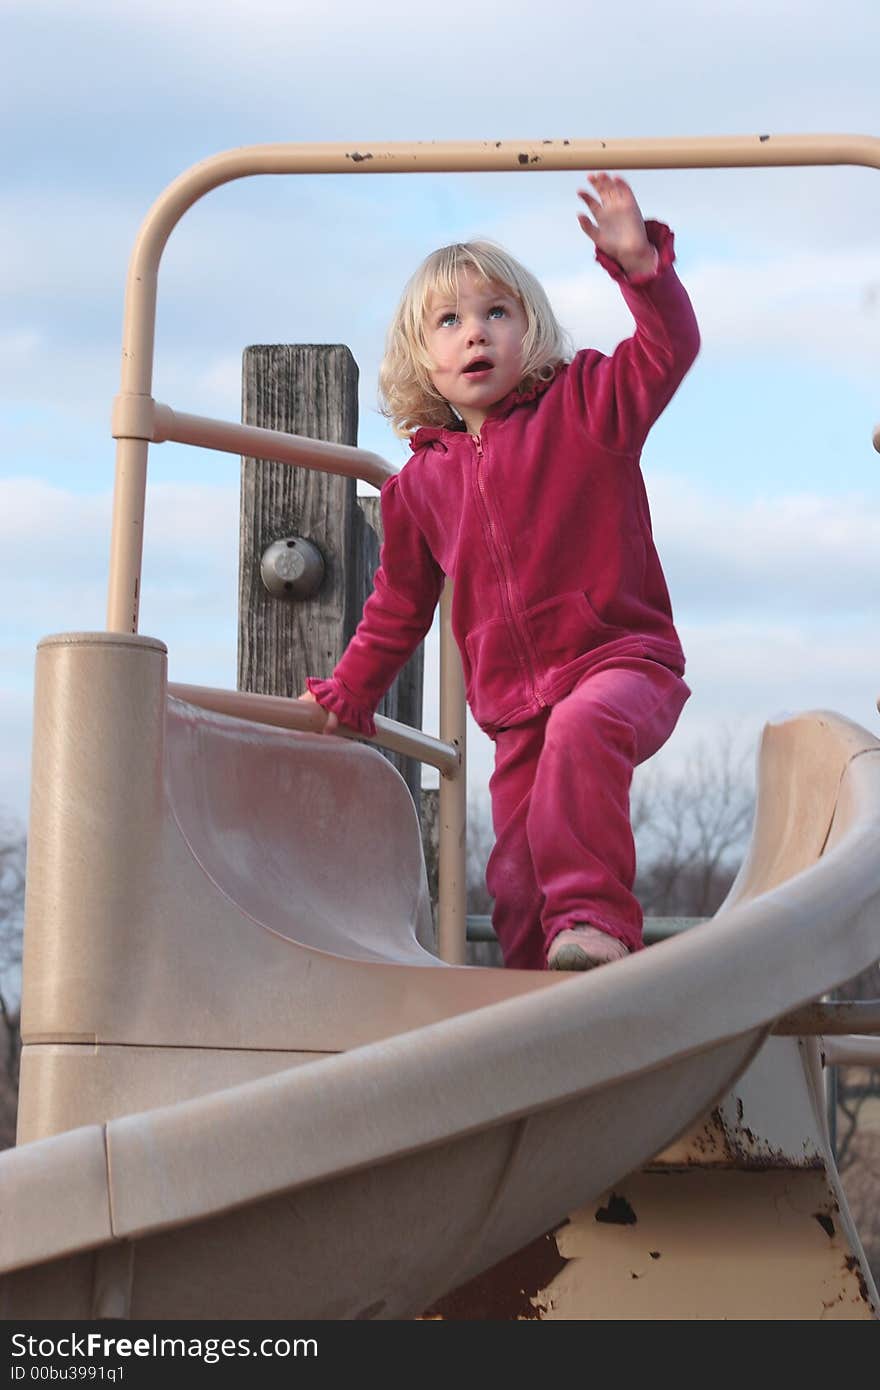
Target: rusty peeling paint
[617, 1213]
[825, 1222]
[855, 1268]
[358, 158]
[770, 1159]
[709, 1142]
[505, 1292]
[731, 1146]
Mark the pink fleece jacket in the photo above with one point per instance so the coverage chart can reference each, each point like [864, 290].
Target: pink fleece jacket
[543, 524]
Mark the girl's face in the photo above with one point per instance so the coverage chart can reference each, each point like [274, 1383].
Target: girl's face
[475, 340]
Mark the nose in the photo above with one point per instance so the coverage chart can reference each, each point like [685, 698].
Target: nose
[476, 331]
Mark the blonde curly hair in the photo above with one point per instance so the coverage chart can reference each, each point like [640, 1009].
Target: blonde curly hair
[406, 394]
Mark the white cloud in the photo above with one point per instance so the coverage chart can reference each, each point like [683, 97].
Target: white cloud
[309, 281]
[811, 554]
[19, 348]
[366, 72]
[768, 665]
[800, 304]
[15, 753]
[54, 548]
[62, 247]
[806, 304]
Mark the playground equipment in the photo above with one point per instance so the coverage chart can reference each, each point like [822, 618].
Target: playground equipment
[246, 1090]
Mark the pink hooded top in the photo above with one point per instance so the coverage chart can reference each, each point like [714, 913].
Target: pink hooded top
[543, 524]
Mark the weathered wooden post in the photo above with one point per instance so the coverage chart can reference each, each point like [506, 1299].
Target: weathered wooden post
[308, 390]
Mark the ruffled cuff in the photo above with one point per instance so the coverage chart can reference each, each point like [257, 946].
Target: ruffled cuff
[332, 695]
[660, 237]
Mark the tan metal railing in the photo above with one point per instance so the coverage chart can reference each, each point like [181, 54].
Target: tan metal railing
[139, 421]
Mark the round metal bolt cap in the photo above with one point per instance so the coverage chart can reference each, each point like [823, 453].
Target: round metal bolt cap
[292, 568]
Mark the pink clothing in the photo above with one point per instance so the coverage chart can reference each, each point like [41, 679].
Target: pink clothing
[543, 524]
[572, 663]
[564, 851]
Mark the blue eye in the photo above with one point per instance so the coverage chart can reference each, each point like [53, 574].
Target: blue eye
[497, 311]
[447, 320]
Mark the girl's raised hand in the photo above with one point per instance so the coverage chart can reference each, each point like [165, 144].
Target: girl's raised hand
[331, 721]
[619, 228]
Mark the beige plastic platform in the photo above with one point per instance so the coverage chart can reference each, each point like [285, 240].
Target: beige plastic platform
[213, 902]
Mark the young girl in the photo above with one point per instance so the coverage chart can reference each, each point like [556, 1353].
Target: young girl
[524, 487]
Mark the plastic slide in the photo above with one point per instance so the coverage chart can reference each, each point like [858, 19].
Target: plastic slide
[247, 1092]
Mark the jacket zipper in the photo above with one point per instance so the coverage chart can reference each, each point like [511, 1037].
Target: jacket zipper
[498, 558]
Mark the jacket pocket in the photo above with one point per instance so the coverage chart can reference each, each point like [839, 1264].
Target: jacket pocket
[563, 628]
[506, 669]
[494, 680]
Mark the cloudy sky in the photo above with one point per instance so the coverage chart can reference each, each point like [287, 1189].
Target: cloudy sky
[764, 486]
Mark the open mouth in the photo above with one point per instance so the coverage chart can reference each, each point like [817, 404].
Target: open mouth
[482, 364]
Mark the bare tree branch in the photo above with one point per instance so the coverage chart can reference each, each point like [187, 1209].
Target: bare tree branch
[691, 829]
[12, 876]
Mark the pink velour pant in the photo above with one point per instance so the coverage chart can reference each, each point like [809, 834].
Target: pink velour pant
[564, 850]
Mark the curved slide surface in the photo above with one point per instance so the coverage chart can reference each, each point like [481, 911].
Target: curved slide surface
[399, 1125]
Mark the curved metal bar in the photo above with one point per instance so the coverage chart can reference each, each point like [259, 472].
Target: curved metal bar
[730, 151]
[138, 421]
[230, 438]
[283, 713]
[467, 156]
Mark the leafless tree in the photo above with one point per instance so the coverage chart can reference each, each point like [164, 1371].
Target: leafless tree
[480, 839]
[12, 871]
[691, 828]
[856, 1091]
[855, 1086]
